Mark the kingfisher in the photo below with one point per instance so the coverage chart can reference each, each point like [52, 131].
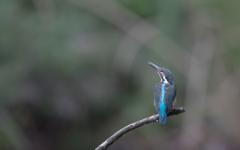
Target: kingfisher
[164, 93]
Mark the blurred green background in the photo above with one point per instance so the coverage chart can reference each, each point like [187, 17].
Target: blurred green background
[73, 72]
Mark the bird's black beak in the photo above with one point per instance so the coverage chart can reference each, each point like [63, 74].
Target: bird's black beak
[155, 67]
[158, 69]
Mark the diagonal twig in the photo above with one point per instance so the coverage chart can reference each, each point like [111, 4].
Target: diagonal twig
[132, 126]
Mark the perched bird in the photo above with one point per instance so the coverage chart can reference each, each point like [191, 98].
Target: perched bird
[164, 93]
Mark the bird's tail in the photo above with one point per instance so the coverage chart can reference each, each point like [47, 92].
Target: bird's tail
[162, 117]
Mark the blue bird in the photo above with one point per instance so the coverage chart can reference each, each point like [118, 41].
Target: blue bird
[164, 93]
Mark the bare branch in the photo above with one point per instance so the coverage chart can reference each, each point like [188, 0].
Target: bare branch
[132, 126]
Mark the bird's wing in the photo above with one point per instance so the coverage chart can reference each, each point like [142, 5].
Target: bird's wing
[172, 89]
[157, 92]
[169, 96]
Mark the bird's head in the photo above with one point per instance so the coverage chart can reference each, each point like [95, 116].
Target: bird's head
[165, 74]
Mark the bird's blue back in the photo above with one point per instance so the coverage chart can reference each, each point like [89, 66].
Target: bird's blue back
[164, 95]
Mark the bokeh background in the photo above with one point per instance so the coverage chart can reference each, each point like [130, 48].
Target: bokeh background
[73, 72]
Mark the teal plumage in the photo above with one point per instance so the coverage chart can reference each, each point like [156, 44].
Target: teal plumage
[164, 96]
[164, 93]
